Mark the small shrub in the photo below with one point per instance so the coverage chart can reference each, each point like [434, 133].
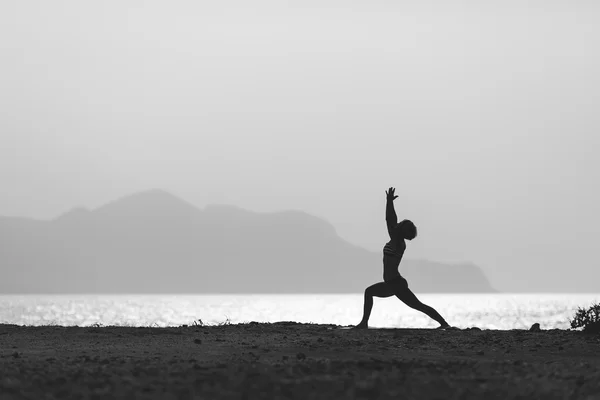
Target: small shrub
[588, 319]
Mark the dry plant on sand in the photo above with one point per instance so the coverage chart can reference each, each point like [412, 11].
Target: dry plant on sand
[588, 319]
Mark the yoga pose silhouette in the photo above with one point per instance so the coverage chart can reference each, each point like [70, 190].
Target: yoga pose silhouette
[393, 283]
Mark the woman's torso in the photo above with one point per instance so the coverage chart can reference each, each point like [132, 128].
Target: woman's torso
[392, 255]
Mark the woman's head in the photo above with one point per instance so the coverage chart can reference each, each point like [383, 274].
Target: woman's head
[407, 229]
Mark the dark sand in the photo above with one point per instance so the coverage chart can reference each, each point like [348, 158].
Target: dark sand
[300, 361]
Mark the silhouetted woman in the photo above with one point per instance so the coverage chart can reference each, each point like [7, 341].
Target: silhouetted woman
[393, 283]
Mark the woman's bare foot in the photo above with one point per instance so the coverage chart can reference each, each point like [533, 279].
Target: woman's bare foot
[361, 325]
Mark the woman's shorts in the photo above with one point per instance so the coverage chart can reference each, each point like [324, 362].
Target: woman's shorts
[399, 280]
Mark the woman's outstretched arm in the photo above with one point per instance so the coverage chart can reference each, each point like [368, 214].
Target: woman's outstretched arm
[390, 214]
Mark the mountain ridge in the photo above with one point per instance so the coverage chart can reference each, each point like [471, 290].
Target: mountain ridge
[154, 242]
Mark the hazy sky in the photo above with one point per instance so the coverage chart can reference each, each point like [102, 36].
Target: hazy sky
[485, 115]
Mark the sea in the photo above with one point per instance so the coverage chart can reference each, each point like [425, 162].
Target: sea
[485, 311]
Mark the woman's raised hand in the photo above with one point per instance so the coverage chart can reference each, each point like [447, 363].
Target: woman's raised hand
[390, 193]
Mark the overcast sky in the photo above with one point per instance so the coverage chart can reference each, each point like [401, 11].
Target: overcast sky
[485, 115]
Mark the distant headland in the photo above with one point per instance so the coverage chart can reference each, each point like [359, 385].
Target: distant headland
[154, 242]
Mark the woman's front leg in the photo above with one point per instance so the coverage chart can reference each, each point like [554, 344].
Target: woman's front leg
[380, 289]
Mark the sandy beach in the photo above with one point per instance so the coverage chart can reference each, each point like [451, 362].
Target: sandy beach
[299, 361]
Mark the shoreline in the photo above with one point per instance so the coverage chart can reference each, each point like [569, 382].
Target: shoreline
[485, 311]
[295, 360]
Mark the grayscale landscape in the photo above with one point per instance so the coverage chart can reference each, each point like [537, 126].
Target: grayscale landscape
[304, 199]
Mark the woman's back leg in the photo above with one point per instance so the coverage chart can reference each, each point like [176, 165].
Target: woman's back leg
[408, 297]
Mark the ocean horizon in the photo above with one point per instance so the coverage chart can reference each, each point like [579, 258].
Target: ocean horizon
[485, 311]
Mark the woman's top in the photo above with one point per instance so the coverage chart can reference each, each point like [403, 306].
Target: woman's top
[390, 250]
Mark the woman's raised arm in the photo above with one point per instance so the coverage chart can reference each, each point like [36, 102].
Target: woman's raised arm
[390, 214]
